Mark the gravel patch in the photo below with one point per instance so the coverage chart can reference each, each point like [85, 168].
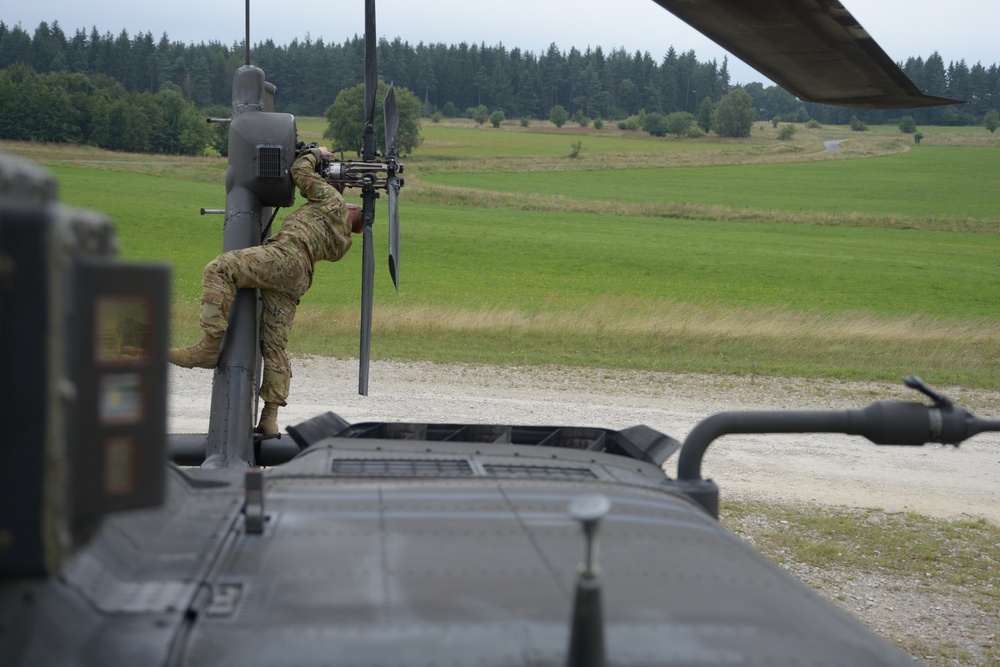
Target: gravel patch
[938, 622]
[934, 480]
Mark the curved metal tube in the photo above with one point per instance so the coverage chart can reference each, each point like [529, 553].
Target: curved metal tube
[883, 422]
[724, 423]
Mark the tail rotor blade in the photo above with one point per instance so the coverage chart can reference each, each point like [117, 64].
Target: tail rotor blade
[391, 123]
[371, 81]
[367, 292]
[393, 182]
[368, 196]
[392, 190]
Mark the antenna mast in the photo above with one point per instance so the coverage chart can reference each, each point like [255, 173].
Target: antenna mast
[247, 42]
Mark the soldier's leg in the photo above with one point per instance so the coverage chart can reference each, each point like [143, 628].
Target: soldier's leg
[255, 267]
[218, 291]
[276, 322]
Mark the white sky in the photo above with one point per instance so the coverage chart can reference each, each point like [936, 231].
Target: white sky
[956, 29]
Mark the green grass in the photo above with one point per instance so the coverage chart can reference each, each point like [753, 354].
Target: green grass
[156, 218]
[445, 142]
[583, 281]
[502, 259]
[927, 181]
[679, 295]
[310, 128]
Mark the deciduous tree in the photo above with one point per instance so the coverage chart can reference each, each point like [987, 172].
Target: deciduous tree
[704, 114]
[991, 120]
[345, 119]
[786, 132]
[558, 115]
[734, 115]
[678, 122]
[479, 113]
[655, 123]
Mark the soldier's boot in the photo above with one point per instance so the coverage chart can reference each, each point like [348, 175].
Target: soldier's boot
[203, 354]
[267, 426]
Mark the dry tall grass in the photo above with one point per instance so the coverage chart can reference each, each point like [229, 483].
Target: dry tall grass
[621, 334]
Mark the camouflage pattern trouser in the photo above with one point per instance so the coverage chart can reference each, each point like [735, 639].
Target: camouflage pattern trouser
[282, 277]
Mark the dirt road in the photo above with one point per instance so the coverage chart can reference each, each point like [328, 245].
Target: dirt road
[838, 470]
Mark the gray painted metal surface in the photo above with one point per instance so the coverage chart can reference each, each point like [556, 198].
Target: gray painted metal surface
[417, 567]
[392, 182]
[261, 150]
[368, 197]
[814, 49]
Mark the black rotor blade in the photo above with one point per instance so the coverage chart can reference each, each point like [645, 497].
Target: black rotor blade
[371, 81]
[814, 49]
[367, 292]
[392, 189]
[392, 182]
[391, 123]
[368, 196]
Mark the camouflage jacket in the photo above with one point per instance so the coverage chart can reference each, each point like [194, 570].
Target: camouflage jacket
[320, 229]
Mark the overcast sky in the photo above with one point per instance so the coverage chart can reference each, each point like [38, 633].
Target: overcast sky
[957, 29]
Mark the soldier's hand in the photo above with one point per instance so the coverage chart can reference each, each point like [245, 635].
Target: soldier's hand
[357, 221]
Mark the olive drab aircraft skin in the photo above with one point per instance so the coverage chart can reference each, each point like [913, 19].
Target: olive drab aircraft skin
[379, 543]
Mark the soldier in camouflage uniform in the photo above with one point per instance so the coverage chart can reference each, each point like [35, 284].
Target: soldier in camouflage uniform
[282, 268]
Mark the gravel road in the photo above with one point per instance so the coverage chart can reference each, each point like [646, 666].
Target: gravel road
[839, 470]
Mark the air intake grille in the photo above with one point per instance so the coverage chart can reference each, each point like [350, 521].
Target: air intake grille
[268, 161]
[503, 470]
[402, 467]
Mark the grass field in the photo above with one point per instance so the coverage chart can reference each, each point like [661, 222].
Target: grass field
[751, 256]
[928, 181]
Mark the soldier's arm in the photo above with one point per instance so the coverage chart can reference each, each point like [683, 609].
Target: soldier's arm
[317, 190]
[325, 201]
[310, 183]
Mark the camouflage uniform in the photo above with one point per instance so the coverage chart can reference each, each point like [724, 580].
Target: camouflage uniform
[282, 268]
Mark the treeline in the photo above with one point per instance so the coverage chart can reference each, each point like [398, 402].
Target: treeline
[309, 74]
[62, 107]
[451, 79]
